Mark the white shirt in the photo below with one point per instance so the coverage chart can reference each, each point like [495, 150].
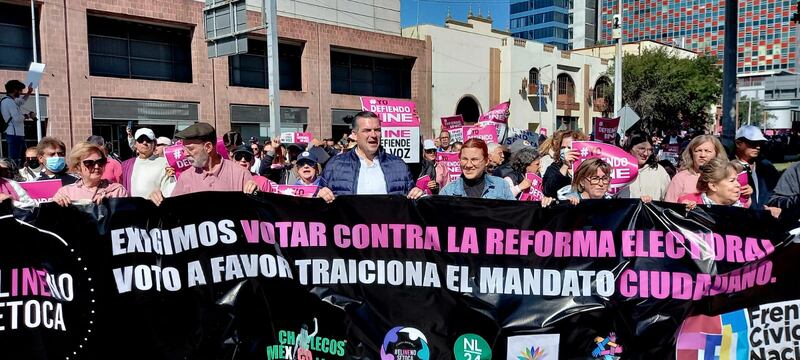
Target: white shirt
[11, 111]
[370, 178]
[256, 166]
[150, 175]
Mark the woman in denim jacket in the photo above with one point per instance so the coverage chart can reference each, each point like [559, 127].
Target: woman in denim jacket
[474, 181]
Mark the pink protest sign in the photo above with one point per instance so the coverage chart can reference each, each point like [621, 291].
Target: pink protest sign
[454, 125]
[742, 178]
[605, 130]
[306, 191]
[534, 193]
[41, 191]
[624, 167]
[176, 158]
[497, 115]
[399, 126]
[221, 149]
[485, 132]
[296, 137]
[422, 183]
[451, 163]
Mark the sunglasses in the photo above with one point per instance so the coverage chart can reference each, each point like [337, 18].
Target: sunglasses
[143, 140]
[239, 156]
[302, 163]
[91, 163]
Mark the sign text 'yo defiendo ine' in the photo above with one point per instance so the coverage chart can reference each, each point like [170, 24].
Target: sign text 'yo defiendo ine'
[492, 242]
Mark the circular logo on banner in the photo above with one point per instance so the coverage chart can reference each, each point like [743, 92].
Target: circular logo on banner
[405, 343]
[472, 347]
[45, 308]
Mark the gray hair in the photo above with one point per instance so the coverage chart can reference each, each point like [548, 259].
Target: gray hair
[522, 158]
[492, 146]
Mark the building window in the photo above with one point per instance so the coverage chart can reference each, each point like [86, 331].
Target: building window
[16, 45]
[355, 74]
[250, 70]
[533, 76]
[125, 49]
[566, 86]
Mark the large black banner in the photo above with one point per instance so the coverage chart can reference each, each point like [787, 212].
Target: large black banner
[231, 276]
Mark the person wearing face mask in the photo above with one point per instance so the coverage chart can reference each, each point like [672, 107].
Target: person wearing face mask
[52, 152]
[559, 173]
[653, 180]
[209, 171]
[32, 167]
[700, 150]
[474, 181]
[89, 160]
[437, 173]
[10, 189]
[147, 174]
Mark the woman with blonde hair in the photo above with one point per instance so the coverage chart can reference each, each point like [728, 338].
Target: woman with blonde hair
[88, 160]
[700, 150]
[559, 173]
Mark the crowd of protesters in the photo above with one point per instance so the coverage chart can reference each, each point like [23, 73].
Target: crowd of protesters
[358, 165]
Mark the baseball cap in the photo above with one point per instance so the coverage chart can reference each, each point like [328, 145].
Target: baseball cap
[307, 156]
[163, 140]
[243, 149]
[751, 133]
[428, 145]
[145, 132]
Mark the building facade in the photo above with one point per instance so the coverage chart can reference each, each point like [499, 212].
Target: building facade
[145, 63]
[767, 40]
[566, 24]
[548, 88]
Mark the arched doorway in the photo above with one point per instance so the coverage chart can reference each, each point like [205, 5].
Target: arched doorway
[468, 108]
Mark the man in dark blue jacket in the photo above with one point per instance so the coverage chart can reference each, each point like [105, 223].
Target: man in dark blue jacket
[761, 174]
[367, 169]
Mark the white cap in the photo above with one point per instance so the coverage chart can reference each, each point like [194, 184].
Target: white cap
[163, 140]
[146, 132]
[428, 145]
[750, 132]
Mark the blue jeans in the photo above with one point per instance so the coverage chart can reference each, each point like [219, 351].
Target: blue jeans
[16, 148]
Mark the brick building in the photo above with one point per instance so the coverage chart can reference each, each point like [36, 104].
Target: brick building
[111, 63]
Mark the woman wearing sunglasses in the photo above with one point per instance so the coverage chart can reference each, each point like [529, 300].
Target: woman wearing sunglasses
[89, 161]
[243, 155]
[307, 169]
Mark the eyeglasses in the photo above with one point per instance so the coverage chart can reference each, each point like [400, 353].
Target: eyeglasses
[242, 155]
[752, 144]
[644, 150]
[596, 180]
[430, 151]
[91, 163]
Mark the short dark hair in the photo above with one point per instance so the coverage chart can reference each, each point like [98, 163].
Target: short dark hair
[637, 137]
[14, 85]
[48, 142]
[362, 115]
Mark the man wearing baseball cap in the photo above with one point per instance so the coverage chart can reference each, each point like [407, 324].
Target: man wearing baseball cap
[146, 173]
[209, 171]
[761, 174]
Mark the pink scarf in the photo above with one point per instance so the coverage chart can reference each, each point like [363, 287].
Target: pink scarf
[6, 188]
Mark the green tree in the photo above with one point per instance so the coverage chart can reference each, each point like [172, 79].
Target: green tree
[755, 109]
[674, 93]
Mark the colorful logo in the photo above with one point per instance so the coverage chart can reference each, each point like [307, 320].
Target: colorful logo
[607, 348]
[534, 353]
[405, 343]
[472, 347]
[302, 345]
[533, 347]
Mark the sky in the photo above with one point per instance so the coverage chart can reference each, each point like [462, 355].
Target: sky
[435, 11]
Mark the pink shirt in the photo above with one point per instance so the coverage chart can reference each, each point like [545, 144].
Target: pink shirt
[683, 183]
[227, 176]
[264, 184]
[113, 171]
[78, 191]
